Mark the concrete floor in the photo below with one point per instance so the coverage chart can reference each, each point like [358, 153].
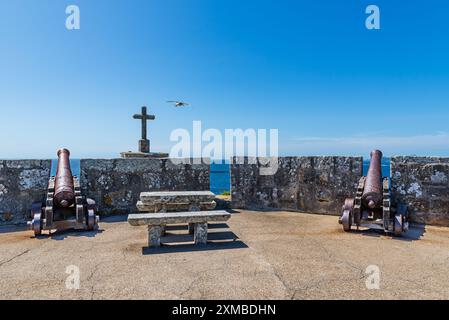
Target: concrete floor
[255, 255]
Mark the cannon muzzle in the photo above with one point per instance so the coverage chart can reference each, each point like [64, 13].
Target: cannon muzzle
[372, 193]
[64, 189]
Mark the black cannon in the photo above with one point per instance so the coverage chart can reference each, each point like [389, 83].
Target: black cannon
[64, 207]
[373, 206]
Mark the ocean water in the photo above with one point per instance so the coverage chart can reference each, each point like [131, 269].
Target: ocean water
[74, 165]
[220, 177]
[385, 167]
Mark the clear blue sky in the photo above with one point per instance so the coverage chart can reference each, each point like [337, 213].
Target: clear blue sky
[309, 68]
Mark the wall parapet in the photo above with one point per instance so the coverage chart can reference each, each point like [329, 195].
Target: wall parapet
[115, 184]
[307, 184]
[423, 184]
[21, 183]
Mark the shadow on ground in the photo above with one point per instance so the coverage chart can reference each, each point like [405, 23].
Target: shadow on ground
[62, 234]
[54, 235]
[113, 219]
[191, 247]
[59, 234]
[415, 232]
[173, 242]
[13, 228]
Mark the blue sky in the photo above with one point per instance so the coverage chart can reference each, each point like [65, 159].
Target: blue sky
[308, 68]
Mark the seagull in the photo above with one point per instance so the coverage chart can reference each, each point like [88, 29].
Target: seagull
[178, 103]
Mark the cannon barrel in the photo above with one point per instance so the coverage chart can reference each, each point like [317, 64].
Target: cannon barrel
[64, 195]
[372, 193]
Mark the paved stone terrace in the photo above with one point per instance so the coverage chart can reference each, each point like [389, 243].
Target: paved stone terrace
[279, 255]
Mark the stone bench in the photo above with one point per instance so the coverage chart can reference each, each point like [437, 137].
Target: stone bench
[167, 201]
[156, 223]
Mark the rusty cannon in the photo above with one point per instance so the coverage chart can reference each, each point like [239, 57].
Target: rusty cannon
[373, 206]
[64, 207]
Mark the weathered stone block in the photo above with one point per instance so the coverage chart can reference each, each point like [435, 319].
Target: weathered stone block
[116, 184]
[423, 184]
[154, 236]
[309, 184]
[200, 233]
[21, 183]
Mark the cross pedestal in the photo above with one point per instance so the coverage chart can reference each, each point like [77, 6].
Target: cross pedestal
[144, 143]
[144, 146]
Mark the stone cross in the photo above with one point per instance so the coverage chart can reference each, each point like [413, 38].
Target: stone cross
[144, 143]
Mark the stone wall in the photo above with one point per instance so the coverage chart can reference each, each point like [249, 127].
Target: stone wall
[116, 184]
[308, 184]
[21, 183]
[423, 183]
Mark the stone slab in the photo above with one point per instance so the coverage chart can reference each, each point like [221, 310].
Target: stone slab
[164, 206]
[141, 219]
[176, 201]
[176, 194]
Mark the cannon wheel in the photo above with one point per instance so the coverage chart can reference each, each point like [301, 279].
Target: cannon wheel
[91, 216]
[36, 208]
[398, 224]
[36, 222]
[90, 219]
[346, 217]
[402, 209]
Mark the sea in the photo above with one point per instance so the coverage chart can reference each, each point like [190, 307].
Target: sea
[220, 177]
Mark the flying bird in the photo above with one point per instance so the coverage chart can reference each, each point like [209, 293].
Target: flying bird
[178, 103]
